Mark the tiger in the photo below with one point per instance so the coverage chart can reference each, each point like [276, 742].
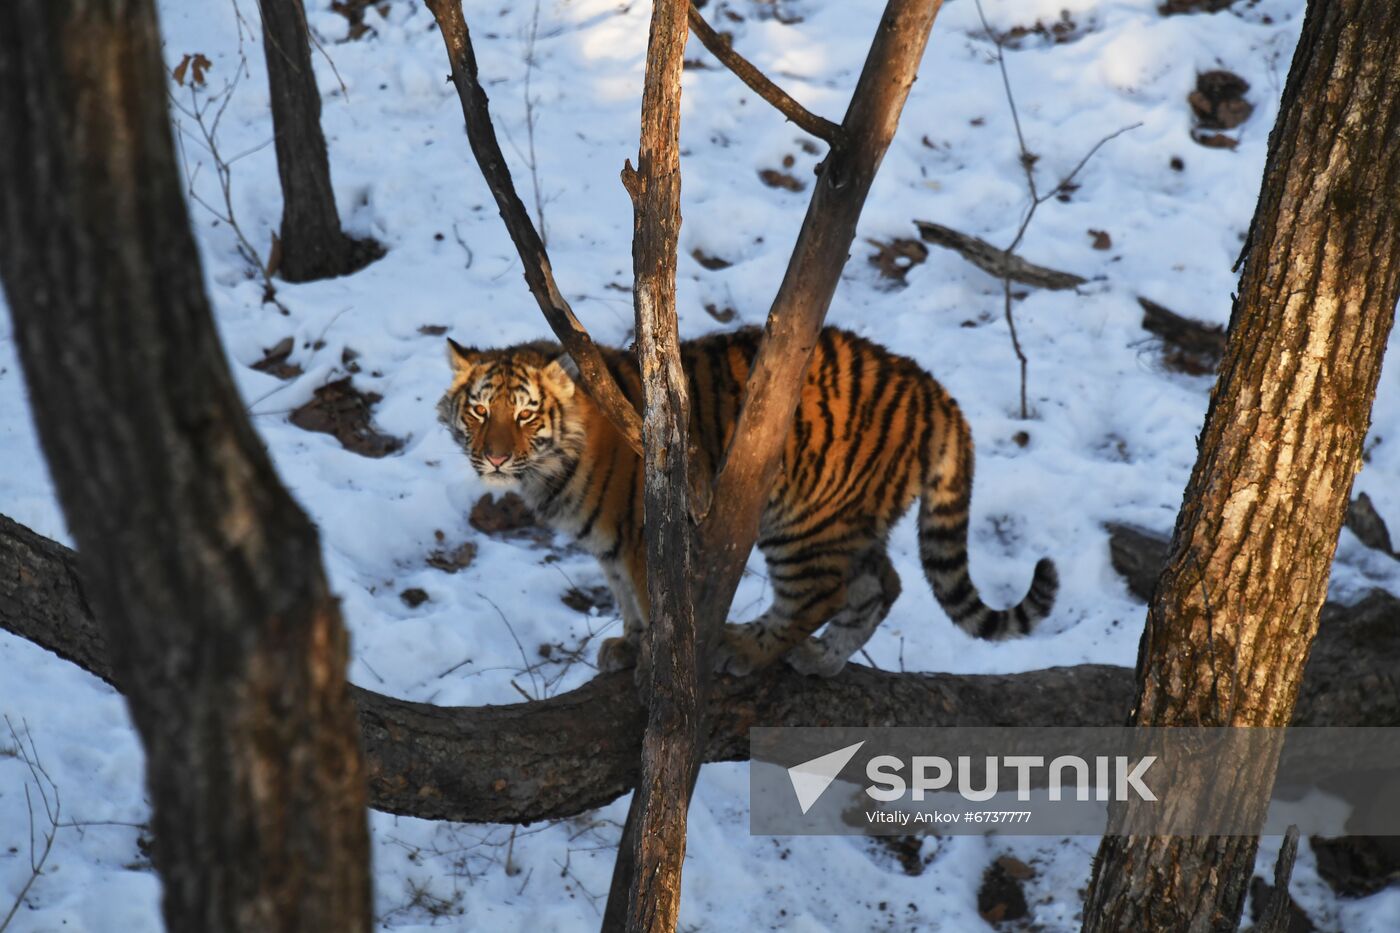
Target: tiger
[872, 433]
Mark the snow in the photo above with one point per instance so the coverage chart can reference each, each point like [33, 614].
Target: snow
[1112, 437]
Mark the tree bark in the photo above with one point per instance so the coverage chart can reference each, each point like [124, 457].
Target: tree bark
[799, 308]
[667, 663]
[1229, 629]
[749, 469]
[204, 573]
[578, 750]
[313, 245]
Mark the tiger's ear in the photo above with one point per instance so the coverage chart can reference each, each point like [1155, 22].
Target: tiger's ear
[463, 359]
[560, 374]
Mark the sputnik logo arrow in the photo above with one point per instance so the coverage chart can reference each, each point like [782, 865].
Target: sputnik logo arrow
[810, 779]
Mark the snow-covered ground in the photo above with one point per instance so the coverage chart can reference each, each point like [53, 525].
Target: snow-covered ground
[1112, 437]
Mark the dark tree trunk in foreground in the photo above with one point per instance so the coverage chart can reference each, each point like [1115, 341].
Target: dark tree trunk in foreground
[1230, 626]
[576, 751]
[313, 245]
[204, 574]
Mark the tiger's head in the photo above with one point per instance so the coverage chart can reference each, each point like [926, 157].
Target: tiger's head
[513, 410]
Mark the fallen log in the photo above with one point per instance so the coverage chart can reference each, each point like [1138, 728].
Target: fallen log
[571, 753]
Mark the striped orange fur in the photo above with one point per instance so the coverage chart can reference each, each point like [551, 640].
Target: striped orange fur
[872, 434]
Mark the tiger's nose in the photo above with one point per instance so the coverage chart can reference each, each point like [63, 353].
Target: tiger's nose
[497, 461]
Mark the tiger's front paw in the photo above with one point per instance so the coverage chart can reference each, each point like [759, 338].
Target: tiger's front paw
[616, 654]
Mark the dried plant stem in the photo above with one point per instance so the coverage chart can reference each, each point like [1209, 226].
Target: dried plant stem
[39, 851]
[1028, 160]
[198, 113]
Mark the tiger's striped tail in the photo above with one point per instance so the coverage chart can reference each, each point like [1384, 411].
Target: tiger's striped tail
[943, 526]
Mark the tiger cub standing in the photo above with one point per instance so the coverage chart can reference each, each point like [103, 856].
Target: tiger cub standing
[872, 433]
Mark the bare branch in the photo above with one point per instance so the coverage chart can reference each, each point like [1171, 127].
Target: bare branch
[750, 465]
[721, 48]
[223, 170]
[539, 276]
[1027, 160]
[41, 849]
[994, 260]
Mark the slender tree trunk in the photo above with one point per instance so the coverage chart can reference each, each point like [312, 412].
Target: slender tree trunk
[729, 530]
[667, 666]
[204, 574]
[1234, 614]
[313, 245]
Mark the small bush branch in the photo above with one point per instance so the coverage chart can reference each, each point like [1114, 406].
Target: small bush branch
[39, 847]
[205, 114]
[1028, 160]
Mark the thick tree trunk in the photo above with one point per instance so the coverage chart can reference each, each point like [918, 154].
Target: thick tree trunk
[1229, 629]
[667, 663]
[577, 751]
[204, 573]
[313, 244]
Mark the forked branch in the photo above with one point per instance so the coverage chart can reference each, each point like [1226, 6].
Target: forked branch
[720, 47]
[1027, 160]
[751, 462]
[539, 276]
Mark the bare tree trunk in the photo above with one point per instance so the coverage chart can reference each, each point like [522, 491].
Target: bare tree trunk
[205, 575]
[313, 245]
[1234, 614]
[749, 469]
[667, 665]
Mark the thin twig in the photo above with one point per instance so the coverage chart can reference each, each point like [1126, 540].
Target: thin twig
[1028, 160]
[316, 43]
[197, 112]
[524, 659]
[53, 810]
[457, 233]
[721, 48]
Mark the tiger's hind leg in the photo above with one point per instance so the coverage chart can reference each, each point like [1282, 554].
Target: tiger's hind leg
[810, 573]
[618, 653]
[872, 590]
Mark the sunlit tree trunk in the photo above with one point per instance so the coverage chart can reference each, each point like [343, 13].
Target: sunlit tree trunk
[1234, 614]
[205, 576]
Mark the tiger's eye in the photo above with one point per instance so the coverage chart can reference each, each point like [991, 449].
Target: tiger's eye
[525, 416]
[479, 410]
